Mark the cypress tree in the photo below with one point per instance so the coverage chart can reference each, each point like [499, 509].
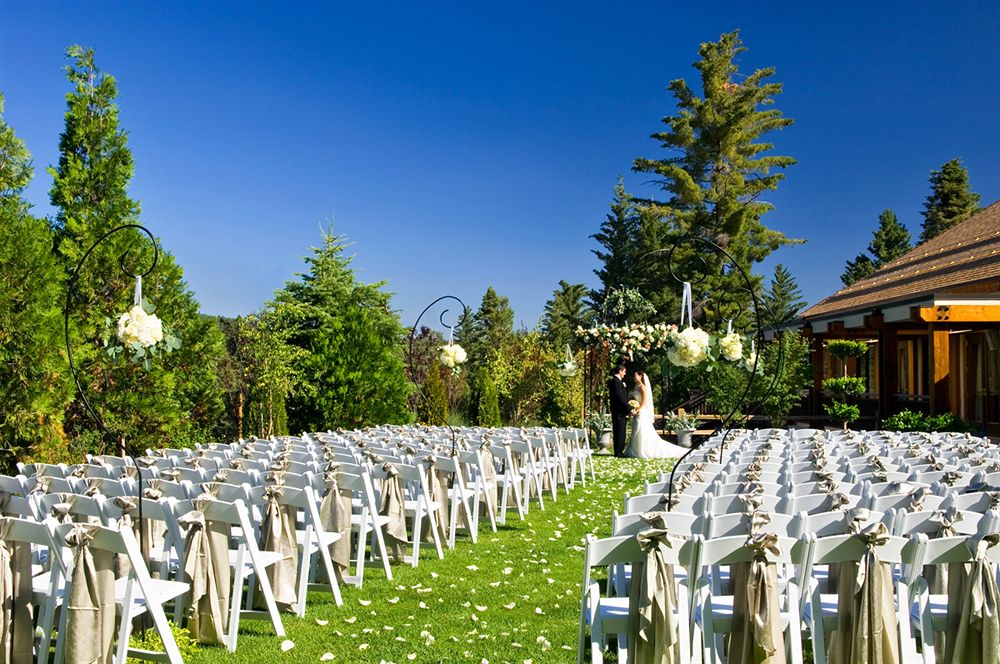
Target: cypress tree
[950, 200]
[783, 298]
[434, 409]
[488, 410]
[487, 331]
[34, 390]
[890, 241]
[178, 401]
[717, 175]
[351, 371]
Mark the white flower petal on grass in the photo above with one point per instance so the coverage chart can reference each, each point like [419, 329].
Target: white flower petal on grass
[350, 620]
[509, 606]
[412, 656]
[538, 610]
[326, 657]
[507, 571]
[287, 645]
[393, 600]
[364, 602]
[471, 568]
[322, 623]
[481, 608]
[543, 642]
[363, 646]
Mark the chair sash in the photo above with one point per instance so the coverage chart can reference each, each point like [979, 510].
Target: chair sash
[277, 535]
[438, 480]
[16, 626]
[653, 628]
[206, 569]
[393, 506]
[335, 517]
[90, 623]
[867, 627]
[977, 639]
[757, 636]
[489, 477]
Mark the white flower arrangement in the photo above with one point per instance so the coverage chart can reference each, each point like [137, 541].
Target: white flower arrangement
[140, 332]
[452, 356]
[689, 347]
[731, 346]
[568, 369]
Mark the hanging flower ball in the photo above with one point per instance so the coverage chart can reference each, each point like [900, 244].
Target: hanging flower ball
[731, 346]
[567, 369]
[452, 356]
[136, 326]
[689, 347]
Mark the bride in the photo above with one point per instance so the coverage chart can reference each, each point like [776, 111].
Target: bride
[645, 443]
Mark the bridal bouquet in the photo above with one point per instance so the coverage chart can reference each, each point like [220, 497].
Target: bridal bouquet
[141, 333]
[634, 405]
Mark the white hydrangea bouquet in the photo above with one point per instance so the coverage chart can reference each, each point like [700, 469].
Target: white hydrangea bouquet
[452, 356]
[139, 333]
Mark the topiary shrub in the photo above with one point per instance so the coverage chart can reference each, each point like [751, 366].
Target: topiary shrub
[842, 413]
[847, 387]
[843, 349]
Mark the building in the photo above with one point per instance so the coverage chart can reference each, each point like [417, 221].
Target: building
[932, 320]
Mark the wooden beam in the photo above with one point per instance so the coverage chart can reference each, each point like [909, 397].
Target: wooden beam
[888, 370]
[874, 320]
[940, 369]
[817, 367]
[959, 313]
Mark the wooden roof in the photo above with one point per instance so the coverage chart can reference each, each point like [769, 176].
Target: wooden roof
[966, 253]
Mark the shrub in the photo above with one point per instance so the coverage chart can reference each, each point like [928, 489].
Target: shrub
[846, 387]
[842, 413]
[150, 640]
[433, 405]
[908, 420]
[488, 410]
[845, 348]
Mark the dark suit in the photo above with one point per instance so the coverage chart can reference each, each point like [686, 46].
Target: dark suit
[620, 412]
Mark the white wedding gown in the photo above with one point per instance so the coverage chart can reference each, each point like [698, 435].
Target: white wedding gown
[645, 442]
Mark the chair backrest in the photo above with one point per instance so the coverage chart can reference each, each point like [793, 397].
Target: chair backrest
[959, 549]
[677, 523]
[846, 548]
[625, 549]
[734, 549]
[825, 524]
[910, 523]
[726, 525]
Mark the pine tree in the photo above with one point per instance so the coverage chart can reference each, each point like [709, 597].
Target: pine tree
[716, 177]
[890, 241]
[857, 269]
[564, 312]
[488, 330]
[783, 298]
[176, 402]
[351, 373]
[950, 200]
[33, 386]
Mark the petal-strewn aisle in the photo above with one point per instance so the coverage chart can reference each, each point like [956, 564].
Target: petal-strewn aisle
[512, 597]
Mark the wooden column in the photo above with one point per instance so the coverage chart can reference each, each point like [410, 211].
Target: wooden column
[888, 371]
[817, 367]
[940, 369]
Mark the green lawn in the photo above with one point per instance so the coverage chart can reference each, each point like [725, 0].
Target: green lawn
[513, 597]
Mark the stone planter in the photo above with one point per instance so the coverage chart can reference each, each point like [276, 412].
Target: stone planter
[605, 442]
[684, 437]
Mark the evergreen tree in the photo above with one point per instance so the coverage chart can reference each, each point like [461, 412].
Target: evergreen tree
[890, 241]
[488, 330]
[351, 373]
[33, 386]
[857, 269]
[433, 409]
[176, 402]
[950, 201]
[488, 408]
[783, 298]
[716, 176]
[564, 312]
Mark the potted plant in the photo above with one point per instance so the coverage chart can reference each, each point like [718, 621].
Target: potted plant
[683, 425]
[600, 428]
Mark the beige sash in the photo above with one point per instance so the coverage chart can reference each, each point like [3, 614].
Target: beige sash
[489, 477]
[757, 636]
[977, 638]
[393, 506]
[90, 624]
[439, 494]
[867, 628]
[16, 627]
[653, 632]
[277, 535]
[335, 517]
[206, 568]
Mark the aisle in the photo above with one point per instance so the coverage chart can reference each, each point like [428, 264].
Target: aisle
[511, 598]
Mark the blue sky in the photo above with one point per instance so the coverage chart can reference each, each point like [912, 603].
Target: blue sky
[462, 145]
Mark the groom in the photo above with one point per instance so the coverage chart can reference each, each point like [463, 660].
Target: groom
[620, 410]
